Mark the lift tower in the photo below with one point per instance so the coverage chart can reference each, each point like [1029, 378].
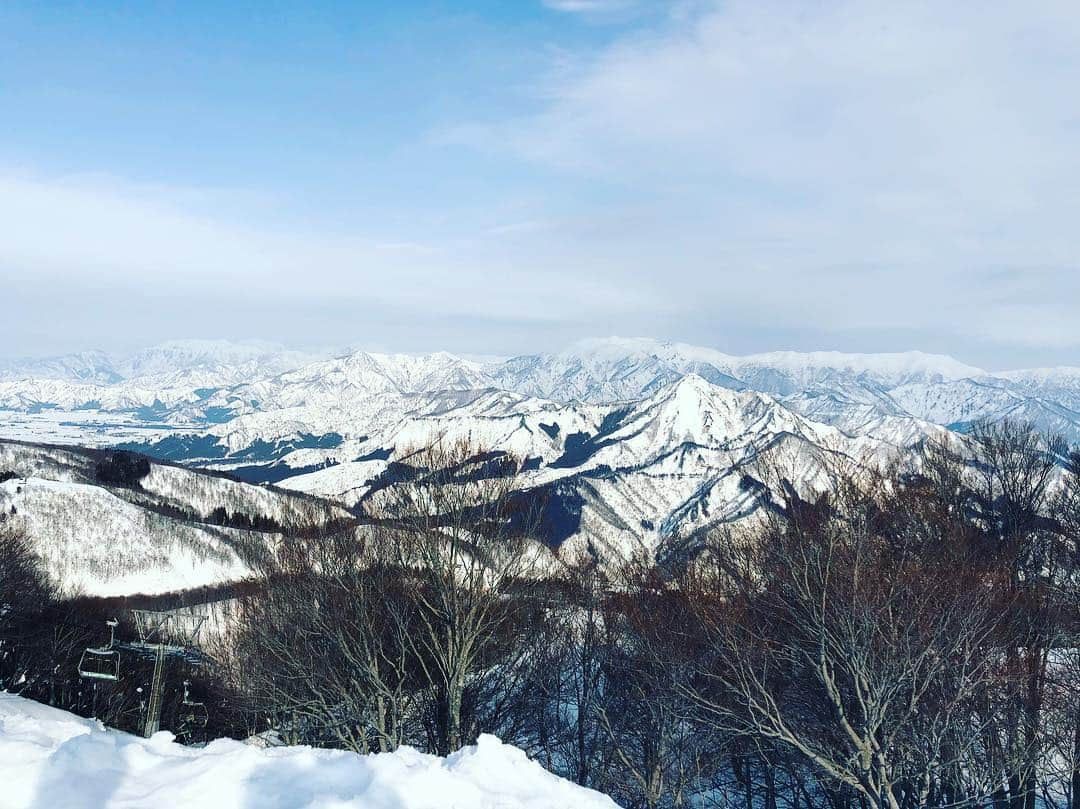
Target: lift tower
[165, 634]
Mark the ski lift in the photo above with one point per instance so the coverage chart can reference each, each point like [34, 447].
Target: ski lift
[170, 628]
[165, 634]
[102, 663]
[151, 625]
[184, 628]
[193, 715]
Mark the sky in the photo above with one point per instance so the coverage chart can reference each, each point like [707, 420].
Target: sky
[509, 176]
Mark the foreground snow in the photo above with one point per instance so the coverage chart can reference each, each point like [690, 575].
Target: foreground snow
[50, 759]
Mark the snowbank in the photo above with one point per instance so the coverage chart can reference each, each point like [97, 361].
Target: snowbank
[50, 759]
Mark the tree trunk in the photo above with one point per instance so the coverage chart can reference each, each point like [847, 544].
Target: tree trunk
[453, 725]
[1016, 794]
[1074, 803]
[1033, 711]
[770, 786]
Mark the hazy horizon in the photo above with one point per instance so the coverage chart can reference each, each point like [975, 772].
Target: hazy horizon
[322, 352]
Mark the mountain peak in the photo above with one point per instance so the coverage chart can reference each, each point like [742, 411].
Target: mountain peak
[612, 347]
[694, 388]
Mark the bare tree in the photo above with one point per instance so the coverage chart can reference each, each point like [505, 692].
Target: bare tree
[320, 648]
[1013, 469]
[463, 534]
[25, 593]
[652, 754]
[865, 656]
[572, 682]
[23, 584]
[417, 626]
[1063, 680]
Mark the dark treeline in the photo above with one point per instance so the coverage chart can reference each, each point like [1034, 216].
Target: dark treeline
[909, 639]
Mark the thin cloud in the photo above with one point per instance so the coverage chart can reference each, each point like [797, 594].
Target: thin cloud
[780, 140]
[75, 236]
[589, 6]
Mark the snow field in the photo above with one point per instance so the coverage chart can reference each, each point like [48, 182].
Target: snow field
[50, 759]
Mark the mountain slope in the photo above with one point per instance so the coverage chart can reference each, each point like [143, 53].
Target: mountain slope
[624, 477]
[172, 529]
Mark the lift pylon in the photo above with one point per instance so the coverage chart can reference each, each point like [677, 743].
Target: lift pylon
[165, 634]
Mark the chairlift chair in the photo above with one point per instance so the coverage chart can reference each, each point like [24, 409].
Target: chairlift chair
[193, 714]
[102, 663]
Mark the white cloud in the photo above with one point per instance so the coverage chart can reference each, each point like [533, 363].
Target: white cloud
[922, 145]
[65, 237]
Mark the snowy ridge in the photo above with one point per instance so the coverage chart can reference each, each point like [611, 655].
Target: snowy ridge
[95, 543]
[86, 366]
[179, 530]
[205, 382]
[50, 758]
[618, 368]
[626, 477]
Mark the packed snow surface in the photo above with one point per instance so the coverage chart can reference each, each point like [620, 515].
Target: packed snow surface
[50, 759]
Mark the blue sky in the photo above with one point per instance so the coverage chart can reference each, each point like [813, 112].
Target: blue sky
[509, 176]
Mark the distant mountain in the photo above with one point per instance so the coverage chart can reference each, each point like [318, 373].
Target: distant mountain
[635, 443]
[616, 368]
[87, 366]
[198, 383]
[165, 360]
[218, 360]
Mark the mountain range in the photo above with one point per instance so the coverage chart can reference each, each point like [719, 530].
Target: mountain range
[635, 443]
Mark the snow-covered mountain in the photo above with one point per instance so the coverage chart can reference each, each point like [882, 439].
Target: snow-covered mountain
[167, 359]
[644, 475]
[87, 366]
[192, 385]
[210, 356]
[616, 368]
[213, 379]
[633, 442]
[171, 529]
